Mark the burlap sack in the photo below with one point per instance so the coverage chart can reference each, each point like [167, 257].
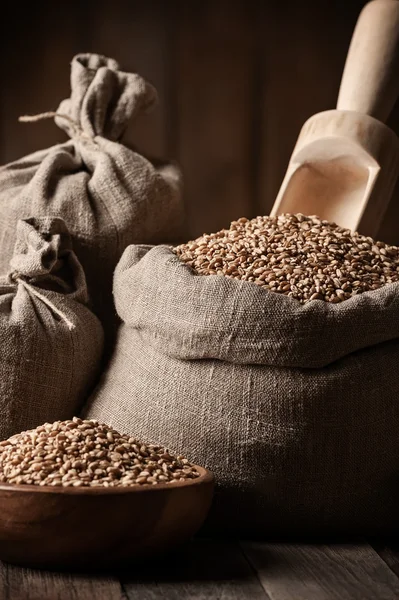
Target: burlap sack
[108, 195]
[295, 408]
[50, 342]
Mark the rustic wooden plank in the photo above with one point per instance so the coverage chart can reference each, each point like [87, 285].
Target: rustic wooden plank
[303, 46]
[321, 572]
[389, 230]
[203, 570]
[389, 552]
[136, 35]
[151, 51]
[25, 584]
[3, 51]
[36, 73]
[215, 82]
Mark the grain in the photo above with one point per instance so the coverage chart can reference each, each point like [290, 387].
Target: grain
[302, 257]
[79, 453]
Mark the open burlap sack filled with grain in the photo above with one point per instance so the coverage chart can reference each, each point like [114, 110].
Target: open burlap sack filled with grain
[295, 408]
[50, 342]
[108, 195]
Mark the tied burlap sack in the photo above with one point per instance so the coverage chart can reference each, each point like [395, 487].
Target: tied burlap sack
[108, 195]
[295, 408]
[50, 342]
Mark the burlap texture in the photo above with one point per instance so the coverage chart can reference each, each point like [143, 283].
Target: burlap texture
[108, 195]
[50, 342]
[293, 407]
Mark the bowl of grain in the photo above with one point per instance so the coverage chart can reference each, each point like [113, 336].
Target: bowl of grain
[78, 494]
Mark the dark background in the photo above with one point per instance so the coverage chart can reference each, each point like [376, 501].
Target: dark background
[236, 81]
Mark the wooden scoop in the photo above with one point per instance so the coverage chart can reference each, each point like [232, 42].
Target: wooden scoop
[346, 161]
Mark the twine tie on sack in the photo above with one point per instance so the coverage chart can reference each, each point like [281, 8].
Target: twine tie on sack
[77, 131]
[46, 301]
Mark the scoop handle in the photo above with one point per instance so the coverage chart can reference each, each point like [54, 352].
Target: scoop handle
[370, 82]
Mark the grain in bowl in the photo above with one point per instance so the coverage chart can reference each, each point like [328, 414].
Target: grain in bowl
[86, 453]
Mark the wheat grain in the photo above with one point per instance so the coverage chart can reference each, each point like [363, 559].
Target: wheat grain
[303, 257]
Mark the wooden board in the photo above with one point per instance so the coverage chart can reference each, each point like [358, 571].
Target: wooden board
[27, 584]
[227, 570]
[389, 231]
[389, 552]
[303, 49]
[138, 36]
[36, 78]
[215, 83]
[321, 572]
[209, 570]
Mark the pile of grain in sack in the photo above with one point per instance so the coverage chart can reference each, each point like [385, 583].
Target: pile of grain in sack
[305, 258]
[290, 398]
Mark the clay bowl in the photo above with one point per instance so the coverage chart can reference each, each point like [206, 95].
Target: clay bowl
[93, 528]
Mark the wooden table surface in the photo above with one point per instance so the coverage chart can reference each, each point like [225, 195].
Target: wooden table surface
[221, 570]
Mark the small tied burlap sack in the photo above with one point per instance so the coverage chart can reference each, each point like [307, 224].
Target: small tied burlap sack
[50, 342]
[295, 408]
[108, 195]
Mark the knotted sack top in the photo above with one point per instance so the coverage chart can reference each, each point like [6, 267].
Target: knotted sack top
[108, 194]
[45, 265]
[103, 99]
[189, 316]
